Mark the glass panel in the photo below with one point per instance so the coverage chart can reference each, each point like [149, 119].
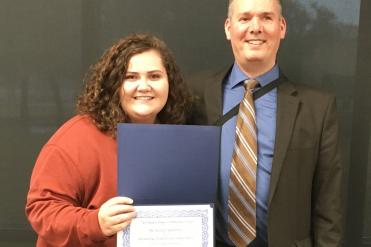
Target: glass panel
[367, 212]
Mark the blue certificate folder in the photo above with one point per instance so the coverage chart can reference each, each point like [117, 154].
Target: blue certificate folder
[168, 164]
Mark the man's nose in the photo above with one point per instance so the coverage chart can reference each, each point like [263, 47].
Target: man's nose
[255, 26]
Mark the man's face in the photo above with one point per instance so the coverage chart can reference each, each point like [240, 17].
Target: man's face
[255, 29]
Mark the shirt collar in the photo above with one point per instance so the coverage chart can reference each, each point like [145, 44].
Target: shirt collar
[237, 75]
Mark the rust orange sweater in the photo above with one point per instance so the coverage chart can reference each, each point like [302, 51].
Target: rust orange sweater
[74, 175]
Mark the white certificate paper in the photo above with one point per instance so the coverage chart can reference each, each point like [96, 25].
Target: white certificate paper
[170, 226]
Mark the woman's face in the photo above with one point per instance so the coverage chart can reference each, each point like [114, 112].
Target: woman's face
[145, 89]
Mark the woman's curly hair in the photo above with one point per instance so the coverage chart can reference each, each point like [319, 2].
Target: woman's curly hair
[100, 99]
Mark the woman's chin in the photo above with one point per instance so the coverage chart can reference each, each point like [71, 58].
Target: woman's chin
[144, 118]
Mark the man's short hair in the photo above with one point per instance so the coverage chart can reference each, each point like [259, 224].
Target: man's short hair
[231, 1]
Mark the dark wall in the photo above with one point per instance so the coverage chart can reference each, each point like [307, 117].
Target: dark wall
[46, 47]
[40, 74]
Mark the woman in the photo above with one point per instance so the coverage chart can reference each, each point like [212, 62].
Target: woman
[72, 198]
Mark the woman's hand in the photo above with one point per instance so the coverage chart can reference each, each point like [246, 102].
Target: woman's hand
[115, 215]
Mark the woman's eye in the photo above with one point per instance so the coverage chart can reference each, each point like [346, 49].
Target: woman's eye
[130, 77]
[155, 76]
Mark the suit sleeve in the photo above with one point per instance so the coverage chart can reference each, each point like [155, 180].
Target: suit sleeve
[54, 202]
[327, 208]
[197, 111]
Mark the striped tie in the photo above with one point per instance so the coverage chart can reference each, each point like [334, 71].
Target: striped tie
[242, 185]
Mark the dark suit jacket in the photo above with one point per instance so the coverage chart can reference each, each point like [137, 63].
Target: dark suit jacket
[305, 197]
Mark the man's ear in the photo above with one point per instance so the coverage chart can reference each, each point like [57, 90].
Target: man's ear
[227, 26]
[283, 27]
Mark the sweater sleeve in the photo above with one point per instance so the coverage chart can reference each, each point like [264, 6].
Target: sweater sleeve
[55, 202]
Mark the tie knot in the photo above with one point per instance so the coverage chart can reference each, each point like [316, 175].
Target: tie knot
[250, 84]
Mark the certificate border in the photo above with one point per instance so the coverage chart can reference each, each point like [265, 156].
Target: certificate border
[170, 212]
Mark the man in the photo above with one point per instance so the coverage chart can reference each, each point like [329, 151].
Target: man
[298, 173]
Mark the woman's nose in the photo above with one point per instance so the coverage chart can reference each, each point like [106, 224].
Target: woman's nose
[143, 84]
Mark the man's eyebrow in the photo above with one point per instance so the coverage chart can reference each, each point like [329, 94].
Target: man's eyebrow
[259, 13]
[268, 13]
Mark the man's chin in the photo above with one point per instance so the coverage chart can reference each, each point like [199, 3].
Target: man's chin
[254, 59]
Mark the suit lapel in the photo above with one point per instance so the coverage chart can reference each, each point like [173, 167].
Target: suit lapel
[213, 96]
[287, 107]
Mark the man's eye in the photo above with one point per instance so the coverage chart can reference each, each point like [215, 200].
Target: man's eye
[267, 18]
